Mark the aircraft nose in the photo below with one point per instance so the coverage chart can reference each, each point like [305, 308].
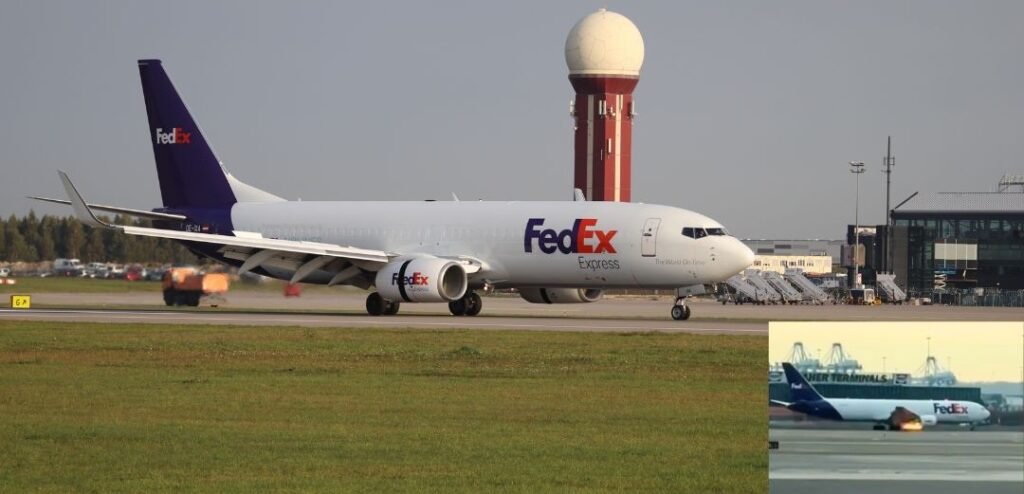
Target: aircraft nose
[741, 257]
[985, 413]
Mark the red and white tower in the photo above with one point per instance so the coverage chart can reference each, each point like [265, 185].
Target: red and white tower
[604, 52]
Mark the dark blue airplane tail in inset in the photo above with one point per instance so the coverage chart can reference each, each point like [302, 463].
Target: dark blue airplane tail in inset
[190, 174]
[799, 388]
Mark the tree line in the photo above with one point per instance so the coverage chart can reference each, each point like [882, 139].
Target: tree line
[34, 239]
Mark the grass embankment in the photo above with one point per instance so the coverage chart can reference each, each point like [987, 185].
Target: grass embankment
[121, 408]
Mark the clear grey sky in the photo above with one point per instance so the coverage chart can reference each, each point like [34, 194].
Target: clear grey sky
[975, 351]
[748, 111]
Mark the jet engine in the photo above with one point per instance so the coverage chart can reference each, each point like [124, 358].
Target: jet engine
[560, 295]
[421, 279]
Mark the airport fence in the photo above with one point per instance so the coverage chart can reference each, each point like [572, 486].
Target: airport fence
[975, 297]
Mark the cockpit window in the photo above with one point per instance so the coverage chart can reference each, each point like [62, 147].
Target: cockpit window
[696, 232]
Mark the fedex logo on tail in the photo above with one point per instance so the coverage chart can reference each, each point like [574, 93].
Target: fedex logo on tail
[582, 238]
[176, 136]
[417, 278]
[951, 409]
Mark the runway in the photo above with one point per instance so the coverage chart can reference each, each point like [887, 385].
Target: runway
[343, 307]
[979, 462]
[410, 321]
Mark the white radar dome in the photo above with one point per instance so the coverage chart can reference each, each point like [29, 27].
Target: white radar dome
[604, 43]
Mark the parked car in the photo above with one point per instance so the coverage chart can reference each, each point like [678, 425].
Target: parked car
[97, 270]
[135, 272]
[68, 267]
[116, 270]
[155, 274]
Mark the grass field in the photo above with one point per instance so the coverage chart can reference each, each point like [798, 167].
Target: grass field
[121, 408]
[80, 285]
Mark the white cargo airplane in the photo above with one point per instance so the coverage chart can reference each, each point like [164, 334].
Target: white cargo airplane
[552, 252]
[894, 414]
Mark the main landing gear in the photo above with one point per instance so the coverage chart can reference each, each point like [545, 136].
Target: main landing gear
[680, 311]
[469, 305]
[377, 306]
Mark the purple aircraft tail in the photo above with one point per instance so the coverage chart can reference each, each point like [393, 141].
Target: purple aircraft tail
[190, 175]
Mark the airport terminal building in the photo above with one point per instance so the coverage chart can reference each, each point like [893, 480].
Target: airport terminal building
[812, 256]
[949, 242]
[959, 240]
[873, 386]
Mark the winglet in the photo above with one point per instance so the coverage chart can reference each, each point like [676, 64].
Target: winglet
[83, 212]
[577, 195]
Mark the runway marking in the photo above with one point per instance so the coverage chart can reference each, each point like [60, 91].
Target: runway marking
[893, 475]
[349, 320]
[898, 442]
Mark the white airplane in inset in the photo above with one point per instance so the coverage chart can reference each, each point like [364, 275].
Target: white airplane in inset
[410, 251]
[891, 414]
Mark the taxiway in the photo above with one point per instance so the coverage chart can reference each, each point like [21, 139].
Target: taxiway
[980, 462]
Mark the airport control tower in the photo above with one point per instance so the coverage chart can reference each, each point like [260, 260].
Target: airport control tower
[604, 52]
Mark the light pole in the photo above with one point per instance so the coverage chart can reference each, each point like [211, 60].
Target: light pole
[856, 168]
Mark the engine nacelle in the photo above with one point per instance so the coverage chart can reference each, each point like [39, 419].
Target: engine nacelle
[560, 295]
[929, 420]
[422, 279]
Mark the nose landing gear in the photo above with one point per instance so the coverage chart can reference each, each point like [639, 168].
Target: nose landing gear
[680, 311]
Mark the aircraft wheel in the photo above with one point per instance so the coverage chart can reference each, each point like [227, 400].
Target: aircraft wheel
[169, 297]
[473, 304]
[680, 312]
[391, 308]
[375, 304]
[457, 307]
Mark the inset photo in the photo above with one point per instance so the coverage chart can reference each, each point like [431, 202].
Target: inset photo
[887, 407]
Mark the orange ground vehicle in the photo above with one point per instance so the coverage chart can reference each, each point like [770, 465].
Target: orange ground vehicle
[185, 286]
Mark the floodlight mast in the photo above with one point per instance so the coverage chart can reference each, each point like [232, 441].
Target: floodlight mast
[857, 168]
[888, 162]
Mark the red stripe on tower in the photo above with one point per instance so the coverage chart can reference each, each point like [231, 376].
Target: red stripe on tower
[604, 52]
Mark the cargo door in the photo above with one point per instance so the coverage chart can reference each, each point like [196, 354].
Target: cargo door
[648, 242]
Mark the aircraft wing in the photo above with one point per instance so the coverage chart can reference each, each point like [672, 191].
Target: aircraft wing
[254, 250]
[153, 215]
[780, 403]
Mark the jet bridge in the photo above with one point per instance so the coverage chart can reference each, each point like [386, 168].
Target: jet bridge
[753, 277]
[890, 291]
[789, 294]
[810, 291]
